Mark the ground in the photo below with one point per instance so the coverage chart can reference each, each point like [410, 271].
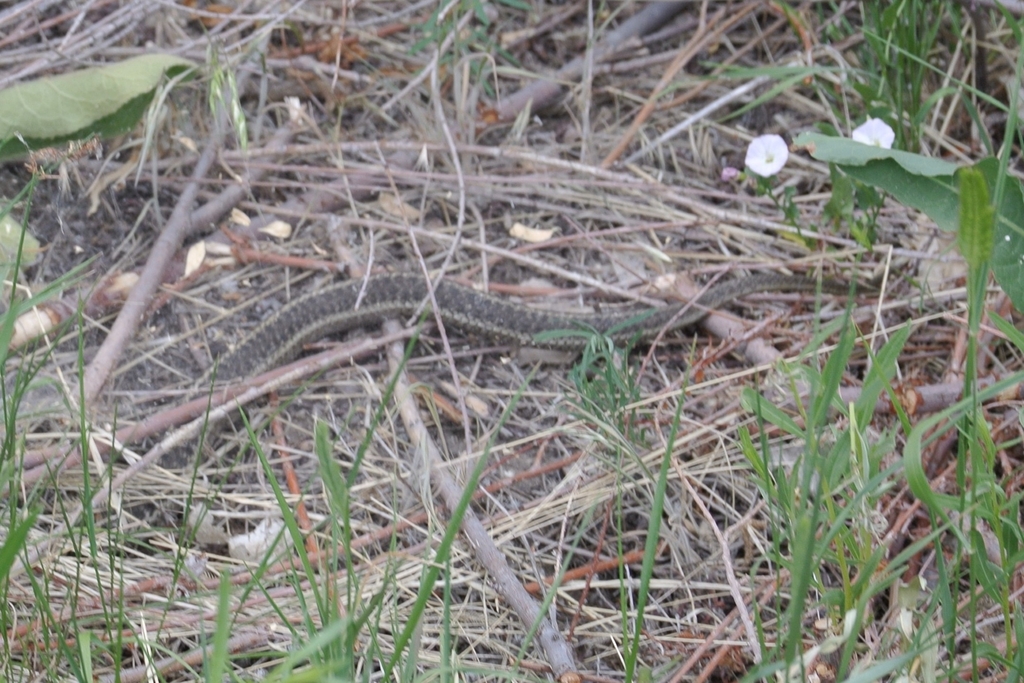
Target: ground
[662, 489]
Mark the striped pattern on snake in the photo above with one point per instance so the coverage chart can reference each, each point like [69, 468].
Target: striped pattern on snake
[332, 309]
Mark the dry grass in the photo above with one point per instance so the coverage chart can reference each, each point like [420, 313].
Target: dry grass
[397, 141]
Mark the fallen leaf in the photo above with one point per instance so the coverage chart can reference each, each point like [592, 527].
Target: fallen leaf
[278, 229]
[239, 218]
[528, 234]
[195, 257]
[396, 207]
[254, 546]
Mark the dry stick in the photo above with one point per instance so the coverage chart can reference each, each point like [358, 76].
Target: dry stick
[686, 53]
[730, 573]
[164, 248]
[226, 200]
[933, 397]
[719, 70]
[504, 579]
[199, 218]
[193, 658]
[699, 115]
[325, 198]
[544, 91]
[767, 590]
[94, 38]
[588, 571]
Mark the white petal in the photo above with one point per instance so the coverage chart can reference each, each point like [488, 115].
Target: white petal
[766, 155]
[874, 132]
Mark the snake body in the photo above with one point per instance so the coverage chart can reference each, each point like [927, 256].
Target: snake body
[333, 309]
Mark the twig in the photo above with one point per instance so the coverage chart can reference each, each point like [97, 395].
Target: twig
[183, 222]
[164, 248]
[546, 89]
[686, 53]
[504, 579]
[730, 573]
[699, 115]
[212, 210]
[178, 662]
[767, 590]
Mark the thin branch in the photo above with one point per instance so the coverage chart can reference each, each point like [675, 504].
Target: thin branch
[546, 89]
[163, 251]
[503, 579]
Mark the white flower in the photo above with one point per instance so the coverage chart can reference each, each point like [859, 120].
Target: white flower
[874, 132]
[766, 155]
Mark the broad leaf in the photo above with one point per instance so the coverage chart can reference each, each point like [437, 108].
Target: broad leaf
[102, 101]
[846, 152]
[920, 182]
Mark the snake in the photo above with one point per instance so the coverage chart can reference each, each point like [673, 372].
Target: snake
[351, 304]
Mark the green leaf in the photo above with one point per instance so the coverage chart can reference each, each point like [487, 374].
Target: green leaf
[15, 543]
[102, 101]
[920, 182]
[840, 205]
[934, 196]
[879, 378]
[757, 404]
[1009, 233]
[1015, 336]
[929, 186]
[977, 218]
[846, 152]
[13, 237]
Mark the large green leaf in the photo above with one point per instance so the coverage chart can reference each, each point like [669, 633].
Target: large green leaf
[847, 152]
[1009, 232]
[102, 101]
[923, 183]
[977, 219]
[927, 185]
[935, 196]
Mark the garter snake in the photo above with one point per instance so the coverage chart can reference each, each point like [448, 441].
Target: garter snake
[333, 309]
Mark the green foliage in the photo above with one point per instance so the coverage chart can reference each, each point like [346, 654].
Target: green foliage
[850, 153]
[17, 377]
[102, 101]
[606, 386]
[474, 41]
[856, 205]
[654, 522]
[977, 219]
[976, 521]
[334, 652]
[223, 92]
[930, 185]
[822, 508]
[921, 182]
